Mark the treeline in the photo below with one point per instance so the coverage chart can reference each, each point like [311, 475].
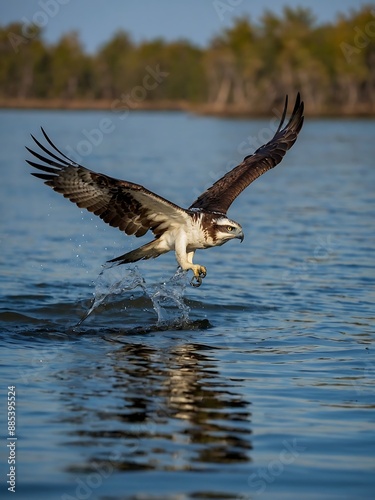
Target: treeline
[246, 68]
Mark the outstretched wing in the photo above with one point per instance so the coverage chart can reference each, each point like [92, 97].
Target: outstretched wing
[221, 195]
[130, 207]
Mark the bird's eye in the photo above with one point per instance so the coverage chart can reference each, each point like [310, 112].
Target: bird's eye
[230, 228]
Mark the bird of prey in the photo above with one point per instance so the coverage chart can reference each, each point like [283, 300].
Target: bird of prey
[136, 210]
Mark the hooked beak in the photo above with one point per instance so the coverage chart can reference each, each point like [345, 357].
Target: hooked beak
[241, 236]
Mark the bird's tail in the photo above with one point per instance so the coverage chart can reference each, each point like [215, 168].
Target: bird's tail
[148, 251]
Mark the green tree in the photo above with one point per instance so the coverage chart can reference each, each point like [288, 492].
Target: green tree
[233, 64]
[354, 60]
[290, 63]
[248, 66]
[66, 67]
[114, 64]
[20, 55]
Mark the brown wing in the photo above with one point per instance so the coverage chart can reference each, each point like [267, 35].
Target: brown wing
[125, 205]
[221, 195]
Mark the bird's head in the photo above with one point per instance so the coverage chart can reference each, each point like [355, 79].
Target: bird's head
[227, 229]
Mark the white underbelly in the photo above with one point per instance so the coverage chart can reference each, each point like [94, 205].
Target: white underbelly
[191, 235]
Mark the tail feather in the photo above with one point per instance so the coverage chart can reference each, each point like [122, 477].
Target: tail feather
[148, 251]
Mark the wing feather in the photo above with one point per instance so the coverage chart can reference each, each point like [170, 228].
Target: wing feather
[221, 195]
[125, 205]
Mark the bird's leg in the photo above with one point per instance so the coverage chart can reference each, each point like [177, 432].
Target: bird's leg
[200, 272]
[185, 260]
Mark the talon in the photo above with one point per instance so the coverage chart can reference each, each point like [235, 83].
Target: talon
[200, 272]
[196, 281]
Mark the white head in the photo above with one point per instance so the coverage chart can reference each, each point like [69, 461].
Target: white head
[227, 229]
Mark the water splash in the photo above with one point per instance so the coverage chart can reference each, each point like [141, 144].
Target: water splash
[111, 281]
[167, 298]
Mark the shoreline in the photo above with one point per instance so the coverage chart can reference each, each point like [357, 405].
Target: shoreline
[225, 111]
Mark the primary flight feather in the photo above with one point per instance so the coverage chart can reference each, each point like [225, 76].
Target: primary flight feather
[136, 210]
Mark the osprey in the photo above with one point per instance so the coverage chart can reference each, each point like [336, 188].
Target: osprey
[136, 210]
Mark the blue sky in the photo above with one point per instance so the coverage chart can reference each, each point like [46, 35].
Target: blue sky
[195, 20]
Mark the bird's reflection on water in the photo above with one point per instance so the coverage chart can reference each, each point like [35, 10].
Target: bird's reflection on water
[168, 410]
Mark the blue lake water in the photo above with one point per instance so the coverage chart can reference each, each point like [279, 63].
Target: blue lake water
[258, 384]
